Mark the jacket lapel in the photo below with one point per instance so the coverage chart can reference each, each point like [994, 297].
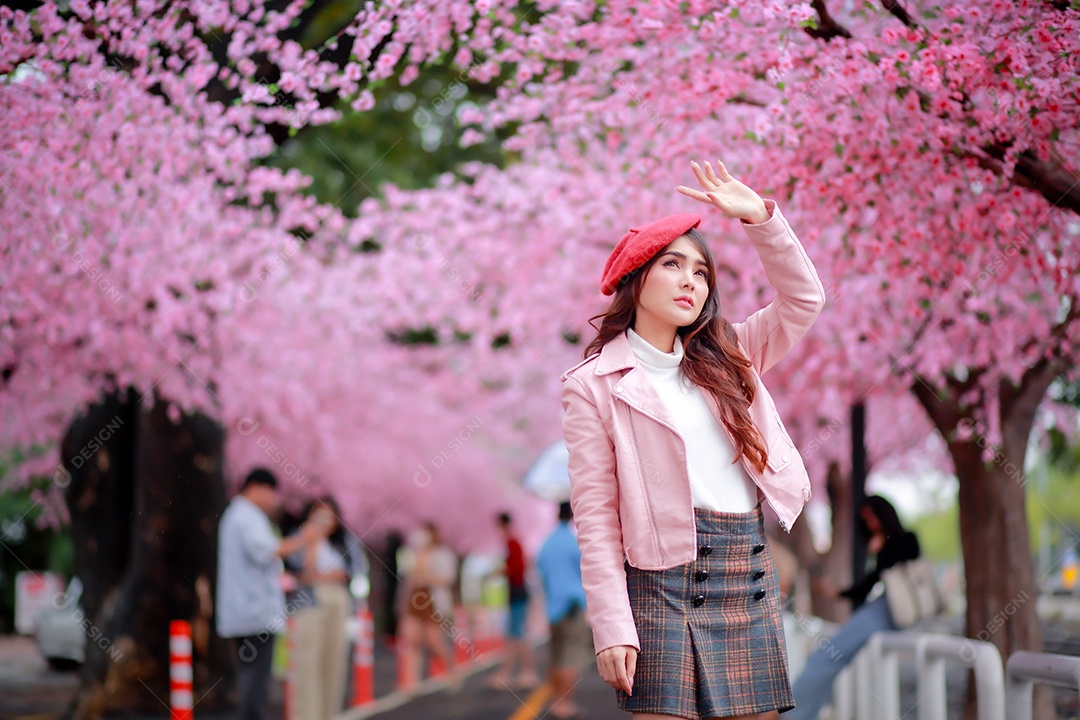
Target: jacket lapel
[634, 387]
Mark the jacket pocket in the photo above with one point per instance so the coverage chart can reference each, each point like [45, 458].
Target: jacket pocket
[782, 451]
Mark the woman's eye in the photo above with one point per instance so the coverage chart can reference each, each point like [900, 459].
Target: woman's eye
[671, 263]
[703, 274]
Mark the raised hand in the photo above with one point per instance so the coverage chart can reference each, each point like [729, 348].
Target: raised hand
[725, 193]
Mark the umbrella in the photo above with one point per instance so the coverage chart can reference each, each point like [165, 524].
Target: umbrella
[549, 476]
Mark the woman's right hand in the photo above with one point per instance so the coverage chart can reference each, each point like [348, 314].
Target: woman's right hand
[721, 190]
[617, 665]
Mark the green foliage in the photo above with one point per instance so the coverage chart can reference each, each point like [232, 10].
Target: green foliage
[409, 138]
[327, 21]
[1063, 455]
[1055, 505]
[939, 534]
[415, 336]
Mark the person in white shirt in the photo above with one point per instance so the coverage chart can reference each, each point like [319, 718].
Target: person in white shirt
[250, 602]
[429, 603]
[321, 644]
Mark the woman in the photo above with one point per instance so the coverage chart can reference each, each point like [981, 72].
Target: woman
[673, 442]
[321, 644]
[891, 544]
[429, 609]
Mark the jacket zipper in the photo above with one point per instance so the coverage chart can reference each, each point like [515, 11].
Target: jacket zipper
[644, 483]
[750, 473]
[746, 466]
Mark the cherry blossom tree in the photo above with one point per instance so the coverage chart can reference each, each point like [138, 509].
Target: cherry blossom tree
[925, 154]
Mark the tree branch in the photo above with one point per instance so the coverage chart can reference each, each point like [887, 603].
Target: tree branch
[943, 405]
[1050, 178]
[940, 406]
[742, 99]
[1020, 402]
[901, 14]
[827, 28]
[960, 387]
[1058, 331]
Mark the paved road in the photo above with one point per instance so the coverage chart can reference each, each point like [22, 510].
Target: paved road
[29, 690]
[474, 701]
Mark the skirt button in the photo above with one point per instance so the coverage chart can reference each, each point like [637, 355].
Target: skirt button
[758, 574]
[759, 595]
[705, 551]
[701, 576]
[758, 548]
[698, 601]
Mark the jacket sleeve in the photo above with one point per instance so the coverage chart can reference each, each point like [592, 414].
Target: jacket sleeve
[595, 501]
[771, 332]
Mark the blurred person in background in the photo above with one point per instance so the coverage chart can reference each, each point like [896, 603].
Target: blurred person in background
[250, 601]
[517, 651]
[559, 563]
[324, 570]
[891, 544]
[429, 604]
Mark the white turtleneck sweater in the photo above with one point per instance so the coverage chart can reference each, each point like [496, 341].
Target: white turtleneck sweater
[717, 482]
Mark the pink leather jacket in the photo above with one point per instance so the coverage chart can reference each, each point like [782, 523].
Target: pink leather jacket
[629, 484]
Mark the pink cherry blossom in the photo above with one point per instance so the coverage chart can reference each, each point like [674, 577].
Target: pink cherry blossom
[146, 245]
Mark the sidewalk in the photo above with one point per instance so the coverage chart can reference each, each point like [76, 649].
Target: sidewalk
[474, 701]
[28, 688]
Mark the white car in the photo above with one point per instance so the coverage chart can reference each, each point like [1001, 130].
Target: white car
[61, 634]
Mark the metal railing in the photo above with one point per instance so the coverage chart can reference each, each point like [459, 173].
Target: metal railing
[931, 654]
[1024, 669]
[869, 688]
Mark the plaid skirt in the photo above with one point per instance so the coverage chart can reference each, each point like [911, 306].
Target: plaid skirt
[712, 639]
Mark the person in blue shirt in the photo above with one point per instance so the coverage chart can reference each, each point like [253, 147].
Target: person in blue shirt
[559, 563]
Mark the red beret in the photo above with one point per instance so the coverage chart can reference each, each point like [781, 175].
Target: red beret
[640, 244]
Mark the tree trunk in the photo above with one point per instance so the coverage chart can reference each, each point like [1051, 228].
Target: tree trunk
[1000, 584]
[834, 563]
[145, 498]
[1001, 590]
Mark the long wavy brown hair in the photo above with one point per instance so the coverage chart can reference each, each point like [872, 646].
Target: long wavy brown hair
[711, 356]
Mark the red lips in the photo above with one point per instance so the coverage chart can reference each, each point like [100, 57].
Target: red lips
[685, 298]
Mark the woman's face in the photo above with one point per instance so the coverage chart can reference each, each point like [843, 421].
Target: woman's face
[870, 519]
[329, 514]
[421, 538]
[674, 291]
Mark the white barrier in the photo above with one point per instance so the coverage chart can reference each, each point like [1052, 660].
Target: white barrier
[981, 657]
[843, 698]
[1024, 669]
[930, 653]
[870, 686]
[864, 691]
[886, 652]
